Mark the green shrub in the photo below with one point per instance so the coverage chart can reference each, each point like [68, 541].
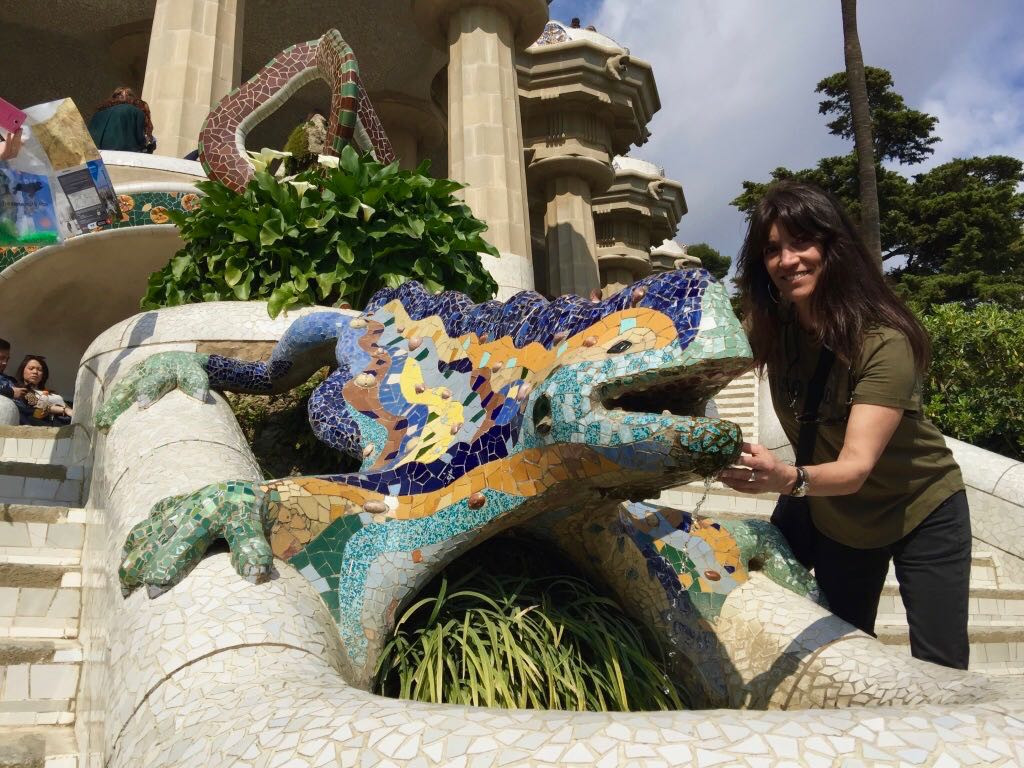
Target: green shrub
[331, 235]
[505, 627]
[278, 432]
[974, 390]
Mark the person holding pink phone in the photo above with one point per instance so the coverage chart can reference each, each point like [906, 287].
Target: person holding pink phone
[10, 146]
[11, 120]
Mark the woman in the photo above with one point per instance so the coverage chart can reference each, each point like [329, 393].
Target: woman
[122, 122]
[37, 406]
[881, 484]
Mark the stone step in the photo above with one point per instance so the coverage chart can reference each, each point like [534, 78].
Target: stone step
[24, 537]
[719, 501]
[38, 513]
[983, 574]
[36, 445]
[23, 482]
[740, 416]
[38, 682]
[739, 393]
[994, 649]
[988, 606]
[40, 593]
[38, 747]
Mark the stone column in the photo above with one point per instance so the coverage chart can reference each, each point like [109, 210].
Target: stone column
[195, 58]
[414, 127]
[485, 138]
[570, 238]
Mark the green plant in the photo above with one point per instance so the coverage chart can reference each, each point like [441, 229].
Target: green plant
[974, 390]
[502, 628]
[334, 234]
[277, 430]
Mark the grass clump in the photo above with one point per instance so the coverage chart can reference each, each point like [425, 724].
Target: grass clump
[506, 627]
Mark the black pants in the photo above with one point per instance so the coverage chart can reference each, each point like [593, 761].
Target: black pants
[933, 567]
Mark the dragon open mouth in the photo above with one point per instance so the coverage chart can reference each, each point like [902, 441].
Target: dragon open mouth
[682, 392]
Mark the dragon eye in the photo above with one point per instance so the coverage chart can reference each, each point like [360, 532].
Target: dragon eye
[619, 346]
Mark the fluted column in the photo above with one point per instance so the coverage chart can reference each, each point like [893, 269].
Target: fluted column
[485, 136]
[195, 58]
[485, 145]
[569, 233]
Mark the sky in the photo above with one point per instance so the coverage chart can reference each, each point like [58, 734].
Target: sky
[736, 80]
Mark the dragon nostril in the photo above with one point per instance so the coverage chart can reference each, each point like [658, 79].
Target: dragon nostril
[542, 415]
[619, 346]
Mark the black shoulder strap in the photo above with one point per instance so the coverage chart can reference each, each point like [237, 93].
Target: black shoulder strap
[808, 420]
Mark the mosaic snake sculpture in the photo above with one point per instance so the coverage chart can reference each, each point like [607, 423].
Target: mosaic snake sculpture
[352, 118]
[470, 419]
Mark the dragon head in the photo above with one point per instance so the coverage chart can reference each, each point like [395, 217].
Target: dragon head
[614, 389]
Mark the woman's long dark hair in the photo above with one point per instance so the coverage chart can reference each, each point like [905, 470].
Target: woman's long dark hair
[851, 295]
[20, 375]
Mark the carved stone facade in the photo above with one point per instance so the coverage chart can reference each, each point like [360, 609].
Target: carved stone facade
[638, 212]
[584, 99]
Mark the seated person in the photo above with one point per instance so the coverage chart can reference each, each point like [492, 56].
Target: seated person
[122, 122]
[8, 385]
[39, 407]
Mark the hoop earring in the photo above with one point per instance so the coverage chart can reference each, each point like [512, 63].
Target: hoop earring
[775, 298]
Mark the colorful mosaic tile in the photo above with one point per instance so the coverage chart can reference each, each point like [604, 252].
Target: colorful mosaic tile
[136, 209]
[465, 417]
[352, 117]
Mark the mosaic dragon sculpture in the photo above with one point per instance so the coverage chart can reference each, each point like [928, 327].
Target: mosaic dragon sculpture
[470, 419]
[352, 118]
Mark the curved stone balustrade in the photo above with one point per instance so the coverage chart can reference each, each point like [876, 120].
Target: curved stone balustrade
[219, 672]
[69, 293]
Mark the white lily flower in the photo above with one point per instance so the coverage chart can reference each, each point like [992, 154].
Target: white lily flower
[302, 186]
[260, 160]
[328, 161]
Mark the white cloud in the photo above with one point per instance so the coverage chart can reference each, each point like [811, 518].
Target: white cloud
[737, 78]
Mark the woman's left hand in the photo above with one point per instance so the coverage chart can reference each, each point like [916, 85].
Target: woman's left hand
[759, 472]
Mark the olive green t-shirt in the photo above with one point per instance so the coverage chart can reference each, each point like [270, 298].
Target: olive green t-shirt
[916, 471]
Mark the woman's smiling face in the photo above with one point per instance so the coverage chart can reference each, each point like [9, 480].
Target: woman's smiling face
[794, 264]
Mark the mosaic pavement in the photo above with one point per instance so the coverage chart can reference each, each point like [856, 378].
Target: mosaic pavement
[352, 117]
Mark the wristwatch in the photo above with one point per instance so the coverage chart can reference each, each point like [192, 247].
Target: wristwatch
[802, 484]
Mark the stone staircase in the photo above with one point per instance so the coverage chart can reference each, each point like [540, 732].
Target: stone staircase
[35, 463]
[41, 537]
[734, 402]
[996, 623]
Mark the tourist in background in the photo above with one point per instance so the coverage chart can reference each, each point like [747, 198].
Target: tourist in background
[878, 482]
[123, 123]
[38, 406]
[8, 385]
